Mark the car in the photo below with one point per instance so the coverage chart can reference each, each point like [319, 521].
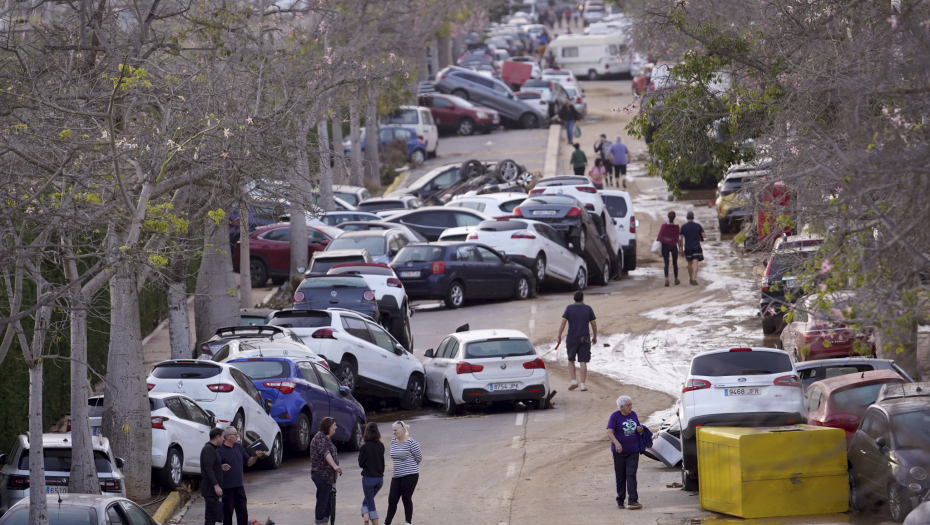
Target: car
[604, 28]
[302, 393]
[576, 96]
[363, 356]
[567, 216]
[434, 181]
[485, 366]
[82, 509]
[840, 402]
[489, 92]
[432, 221]
[321, 291]
[535, 99]
[351, 194]
[270, 250]
[412, 236]
[781, 286]
[623, 222]
[382, 245]
[206, 349]
[56, 449]
[335, 218]
[551, 90]
[563, 76]
[254, 316]
[390, 295]
[260, 214]
[593, 11]
[536, 246]
[501, 42]
[416, 148]
[733, 203]
[575, 185]
[321, 262]
[236, 349]
[227, 393]
[485, 70]
[788, 242]
[810, 371]
[921, 513]
[890, 453]
[537, 72]
[740, 387]
[385, 206]
[481, 55]
[456, 272]
[811, 335]
[455, 114]
[416, 118]
[495, 205]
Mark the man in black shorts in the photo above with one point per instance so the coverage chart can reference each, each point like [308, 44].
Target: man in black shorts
[693, 234]
[578, 341]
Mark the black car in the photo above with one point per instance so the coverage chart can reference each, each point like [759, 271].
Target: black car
[251, 331]
[457, 271]
[889, 455]
[358, 226]
[430, 222]
[568, 215]
[782, 285]
[351, 292]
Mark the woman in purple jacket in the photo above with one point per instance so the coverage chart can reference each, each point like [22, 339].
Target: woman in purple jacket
[670, 237]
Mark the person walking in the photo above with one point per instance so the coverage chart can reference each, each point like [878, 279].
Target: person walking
[670, 237]
[232, 453]
[622, 428]
[692, 233]
[568, 17]
[578, 342]
[324, 467]
[568, 115]
[558, 16]
[618, 157]
[211, 478]
[578, 160]
[371, 460]
[597, 174]
[406, 456]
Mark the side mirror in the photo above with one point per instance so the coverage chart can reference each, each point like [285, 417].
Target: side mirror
[463, 328]
[507, 259]
[614, 221]
[344, 391]
[399, 349]
[880, 441]
[211, 418]
[119, 462]
[428, 353]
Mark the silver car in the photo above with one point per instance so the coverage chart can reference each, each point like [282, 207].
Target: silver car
[14, 475]
[488, 92]
[84, 509]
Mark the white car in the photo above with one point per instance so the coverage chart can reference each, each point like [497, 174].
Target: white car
[385, 207]
[362, 354]
[419, 119]
[624, 223]
[494, 205]
[485, 366]
[238, 348]
[740, 387]
[390, 295]
[562, 76]
[577, 186]
[228, 393]
[351, 194]
[536, 72]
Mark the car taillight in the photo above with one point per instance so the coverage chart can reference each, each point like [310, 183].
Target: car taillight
[848, 422]
[574, 212]
[472, 237]
[535, 363]
[695, 384]
[69, 425]
[18, 482]
[788, 381]
[206, 350]
[368, 295]
[438, 267]
[517, 212]
[579, 100]
[537, 191]
[299, 297]
[543, 102]
[743, 349]
[159, 422]
[394, 283]
[109, 485]
[286, 387]
[324, 333]
[464, 367]
[324, 363]
[765, 284]
[632, 224]
[150, 385]
[586, 189]
[606, 66]
[523, 235]
[421, 138]
[221, 387]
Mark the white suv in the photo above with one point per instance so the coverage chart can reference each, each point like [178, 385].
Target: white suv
[623, 222]
[421, 120]
[740, 387]
[390, 295]
[364, 356]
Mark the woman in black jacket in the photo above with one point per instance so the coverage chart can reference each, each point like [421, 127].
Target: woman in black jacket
[371, 460]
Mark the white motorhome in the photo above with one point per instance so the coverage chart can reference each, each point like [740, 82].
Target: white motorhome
[592, 56]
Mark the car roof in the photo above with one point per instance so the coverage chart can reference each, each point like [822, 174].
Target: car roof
[496, 197]
[481, 335]
[905, 391]
[616, 193]
[368, 233]
[63, 440]
[347, 188]
[900, 405]
[397, 217]
[753, 348]
[860, 360]
[338, 253]
[74, 500]
[869, 377]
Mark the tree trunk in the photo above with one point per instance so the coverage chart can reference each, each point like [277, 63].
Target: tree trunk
[38, 508]
[339, 158]
[83, 478]
[215, 304]
[299, 249]
[245, 275]
[444, 58]
[356, 169]
[372, 162]
[326, 174]
[300, 181]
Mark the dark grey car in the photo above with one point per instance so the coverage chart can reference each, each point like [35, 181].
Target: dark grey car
[489, 92]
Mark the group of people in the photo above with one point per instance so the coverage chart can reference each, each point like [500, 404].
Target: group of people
[555, 17]
[222, 465]
[674, 239]
[610, 160]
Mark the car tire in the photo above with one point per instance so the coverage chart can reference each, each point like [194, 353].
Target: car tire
[348, 375]
[461, 93]
[418, 157]
[455, 297]
[857, 502]
[466, 126]
[629, 260]
[298, 436]
[413, 394]
[355, 440]
[621, 264]
[533, 404]
[723, 225]
[529, 120]
[579, 241]
[276, 454]
[689, 483]
[400, 329]
[581, 280]
[471, 169]
[605, 273]
[448, 402]
[508, 170]
[539, 267]
[523, 289]
[238, 423]
[592, 75]
[170, 475]
[258, 271]
[899, 505]
[769, 326]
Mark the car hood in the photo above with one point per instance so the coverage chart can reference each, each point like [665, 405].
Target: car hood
[911, 457]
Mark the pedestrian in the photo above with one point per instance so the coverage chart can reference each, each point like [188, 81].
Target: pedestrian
[601, 148]
[618, 157]
[558, 16]
[578, 160]
[692, 233]
[211, 478]
[324, 467]
[670, 237]
[576, 14]
[568, 114]
[232, 453]
[371, 460]
[597, 174]
[578, 341]
[406, 456]
[622, 428]
[568, 16]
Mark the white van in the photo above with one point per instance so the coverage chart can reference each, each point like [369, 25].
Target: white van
[593, 56]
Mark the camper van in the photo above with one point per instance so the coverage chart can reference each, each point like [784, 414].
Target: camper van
[592, 56]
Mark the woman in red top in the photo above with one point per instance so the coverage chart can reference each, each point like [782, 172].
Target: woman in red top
[670, 237]
[596, 174]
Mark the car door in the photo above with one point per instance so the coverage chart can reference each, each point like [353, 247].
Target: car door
[874, 463]
[501, 277]
[560, 260]
[189, 434]
[366, 352]
[393, 369]
[469, 266]
[443, 111]
[429, 128]
[256, 420]
[338, 411]
[313, 393]
[201, 421]
[434, 372]
[275, 246]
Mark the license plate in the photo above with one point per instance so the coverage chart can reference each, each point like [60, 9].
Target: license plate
[742, 392]
[56, 490]
[409, 274]
[494, 387]
[544, 212]
[789, 283]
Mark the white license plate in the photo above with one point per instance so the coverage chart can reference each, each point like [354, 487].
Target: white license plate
[56, 490]
[544, 212]
[742, 392]
[493, 387]
[409, 274]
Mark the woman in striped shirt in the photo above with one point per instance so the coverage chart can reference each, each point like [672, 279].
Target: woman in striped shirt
[406, 456]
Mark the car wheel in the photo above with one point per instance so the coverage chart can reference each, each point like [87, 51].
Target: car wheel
[621, 264]
[539, 267]
[856, 501]
[592, 75]
[605, 274]
[170, 475]
[723, 225]
[689, 483]
[455, 297]
[769, 326]
[466, 126]
[899, 505]
[417, 157]
[298, 436]
[413, 395]
[508, 170]
[258, 271]
[529, 121]
[400, 329]
[629, 260]
[238, 423]
[581, 280]
[471, 169]
[579, 241]
[276, 455]
[461, 93]
[522, 290]
[448, 403]
[526, 179]
[348, 375]
[355, 441]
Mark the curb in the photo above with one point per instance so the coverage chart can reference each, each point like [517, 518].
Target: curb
[551, 164]
[167, 507]
[398, 180]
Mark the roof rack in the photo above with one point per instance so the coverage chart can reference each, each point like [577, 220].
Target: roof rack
[260, 330]
[903, 390]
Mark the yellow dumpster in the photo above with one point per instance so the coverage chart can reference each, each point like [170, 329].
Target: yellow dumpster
[772, 471]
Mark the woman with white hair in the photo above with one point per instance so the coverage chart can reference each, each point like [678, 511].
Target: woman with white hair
[406, 456]
[622, 428]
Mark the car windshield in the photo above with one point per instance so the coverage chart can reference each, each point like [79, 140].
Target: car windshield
[461, 102]
[856, 399]
[499, 348]
[418, 254]
[263, 369]
[912, 429]
[571, 92]
[374, 245]
[330, 282]
[57, 515]
[381, 205]
[59, 460]
[551, 199]
[401, 116]
[744, 363]
[323, 264]
[185, 371]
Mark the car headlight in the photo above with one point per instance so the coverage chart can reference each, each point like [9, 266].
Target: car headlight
[915, 487]
[482, 115]
[918, 473]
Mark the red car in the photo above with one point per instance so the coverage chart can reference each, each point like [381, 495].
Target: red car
[810, 336]
[840, 402]
[270, 250]
[455, 114]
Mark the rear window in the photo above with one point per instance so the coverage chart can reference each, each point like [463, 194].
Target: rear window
[536, 84]
[322, 265]
[856, 399]
[499, 348]
[301, 319]
[332, 282]
[57, 515]
[419, 254]
[263, 369]
[59, 460]
[616, 206]
[528, 96]
[740, 363]
[501, 226]
[362, 270]
[551, 199]
[381, 205]
[401, 116]
[374, 244]
[185, 371]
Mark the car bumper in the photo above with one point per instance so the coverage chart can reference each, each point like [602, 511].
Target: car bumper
[161, 441]
[742, 419]
[388, 306]
[468, 390]
[522, 260]
[482, 395]
[432, 287]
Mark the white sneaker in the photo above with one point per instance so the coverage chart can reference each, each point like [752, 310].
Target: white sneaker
[584, 388]
[573, 386]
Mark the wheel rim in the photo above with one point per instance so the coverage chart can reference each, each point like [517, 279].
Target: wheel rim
[581, 241]
[176, 469]
[417, 157]
[526, 179]
[414, 392]
[347, 377]
[529, 121]
[540, 268]
[524, 288]
[240, 428]
[358, 434]
[894, 502]
[303, 431]
[447, 399]
[277, 451]
[509, 171]
[465, 127]
[457, 295]
[461, 94]
[472, 170]
[255, 271]
[582, 278]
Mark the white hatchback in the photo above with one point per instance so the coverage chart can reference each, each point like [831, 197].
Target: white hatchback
[494, 205]
[485, 366]
[239, 348]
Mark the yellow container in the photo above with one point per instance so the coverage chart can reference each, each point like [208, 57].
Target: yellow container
[772, 471]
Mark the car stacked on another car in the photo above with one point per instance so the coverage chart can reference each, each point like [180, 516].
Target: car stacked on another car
[495, 205]
[387, 206]
[411, 235]
[576, 186]
[490, 92]
[553, 93]
[321, 262]
[351, 194]
[810, 371]
[246, 348]
[434, 181]
[208, 348]
[351, 292]
[389, 293]
[431, 221]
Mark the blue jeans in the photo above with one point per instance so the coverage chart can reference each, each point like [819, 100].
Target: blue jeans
[570, 129]
[625, 466]
[370, 487]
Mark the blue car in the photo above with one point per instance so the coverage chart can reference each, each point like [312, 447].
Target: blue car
[302, 393]
[416, 149]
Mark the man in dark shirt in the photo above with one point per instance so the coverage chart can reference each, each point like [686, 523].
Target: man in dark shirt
[233, 485]
[578, 341]
[211, 477]
[693, 234]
